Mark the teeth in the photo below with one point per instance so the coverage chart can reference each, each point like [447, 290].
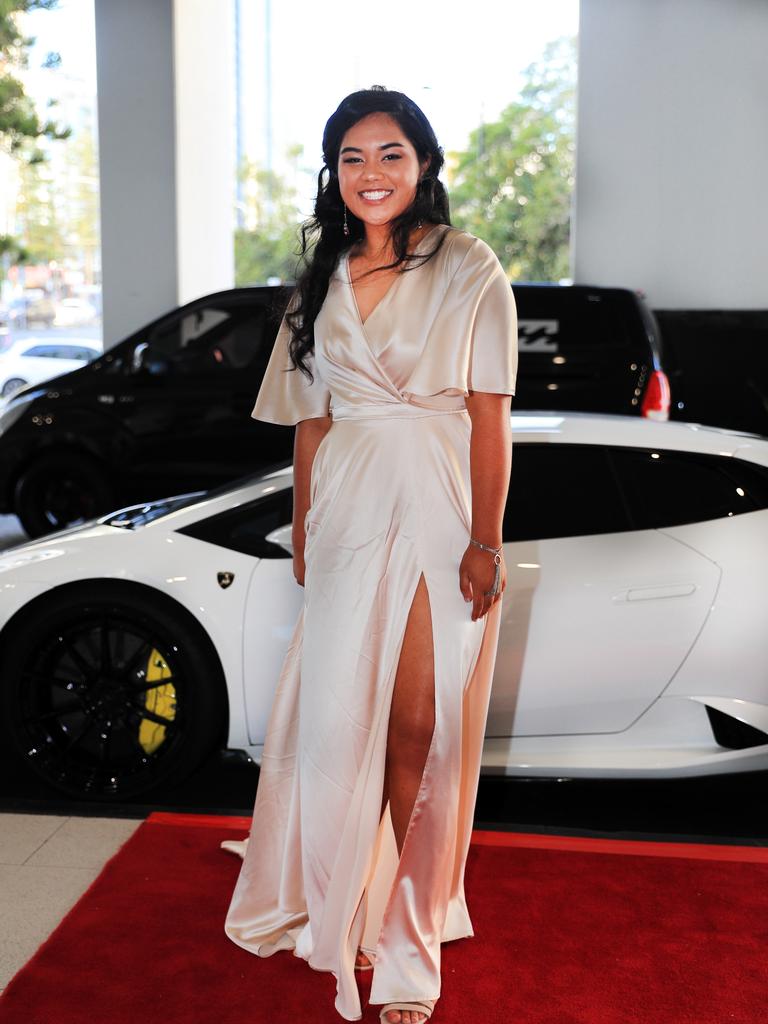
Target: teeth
[375, 195]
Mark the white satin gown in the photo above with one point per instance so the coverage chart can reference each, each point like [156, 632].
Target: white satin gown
[390, 499]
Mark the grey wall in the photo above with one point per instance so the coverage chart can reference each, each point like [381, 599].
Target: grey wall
[134, 47]
[672, 151]
[167, 161]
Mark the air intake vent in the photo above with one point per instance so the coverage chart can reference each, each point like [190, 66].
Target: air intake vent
[730, 732]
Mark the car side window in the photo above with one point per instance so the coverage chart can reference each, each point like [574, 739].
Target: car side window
[41, 352]
[244, 528]
[209, 340]
[671, 488]
[562, 490]
[84, 355]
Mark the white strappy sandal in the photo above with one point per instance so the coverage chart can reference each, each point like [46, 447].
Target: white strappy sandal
[423, 1006]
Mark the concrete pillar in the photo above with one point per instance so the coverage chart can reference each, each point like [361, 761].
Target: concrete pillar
[672, 146]
[166, 150]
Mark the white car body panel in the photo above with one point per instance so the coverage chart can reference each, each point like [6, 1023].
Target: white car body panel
[611, 645]
[600, 598]
[731, 650]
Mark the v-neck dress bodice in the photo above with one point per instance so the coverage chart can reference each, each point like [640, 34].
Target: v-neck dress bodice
[390, 500]
[443, 329]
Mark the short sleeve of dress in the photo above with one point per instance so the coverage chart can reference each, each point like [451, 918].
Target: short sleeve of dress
[286, 395]
[493, 359]
[472, 343]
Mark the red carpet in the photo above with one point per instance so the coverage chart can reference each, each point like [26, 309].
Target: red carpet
[567, 931]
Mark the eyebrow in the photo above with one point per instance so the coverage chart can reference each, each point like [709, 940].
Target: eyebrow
[386, 145]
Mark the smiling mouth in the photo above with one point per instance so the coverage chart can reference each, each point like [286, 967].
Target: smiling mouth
[376, 195]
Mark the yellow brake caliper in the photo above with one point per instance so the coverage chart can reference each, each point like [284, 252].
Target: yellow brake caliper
[160, 699]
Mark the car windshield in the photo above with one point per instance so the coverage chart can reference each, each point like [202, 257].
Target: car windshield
[139, 515]
[134, 516]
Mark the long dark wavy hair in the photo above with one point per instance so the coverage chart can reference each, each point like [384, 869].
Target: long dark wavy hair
[322, 236]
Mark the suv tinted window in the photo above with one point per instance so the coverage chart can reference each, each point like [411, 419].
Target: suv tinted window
[555, 321]
[671, 488]
[211, 339]
[562, 490]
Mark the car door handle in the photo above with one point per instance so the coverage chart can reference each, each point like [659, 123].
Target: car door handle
[654, 593]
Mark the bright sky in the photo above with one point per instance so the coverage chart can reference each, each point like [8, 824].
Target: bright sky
[461, 63]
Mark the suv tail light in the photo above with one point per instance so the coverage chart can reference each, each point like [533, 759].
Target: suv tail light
[656, 398]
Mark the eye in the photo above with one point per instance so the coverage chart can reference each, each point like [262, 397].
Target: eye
[350, 159]
[393, 156]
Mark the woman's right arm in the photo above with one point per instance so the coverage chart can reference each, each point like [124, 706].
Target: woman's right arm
[309, 433]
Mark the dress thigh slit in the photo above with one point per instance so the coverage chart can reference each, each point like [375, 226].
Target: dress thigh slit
[412, 698]
[405, 966]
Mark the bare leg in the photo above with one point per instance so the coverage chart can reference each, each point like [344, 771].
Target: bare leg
[412, 716]
[411, 724]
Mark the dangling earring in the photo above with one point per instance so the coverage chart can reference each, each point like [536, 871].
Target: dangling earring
[346, 226]
[416, 196]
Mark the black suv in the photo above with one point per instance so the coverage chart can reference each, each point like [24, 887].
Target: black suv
[168, 409]
[589, 349]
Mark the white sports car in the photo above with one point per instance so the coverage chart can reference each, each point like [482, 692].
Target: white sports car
[633, 640]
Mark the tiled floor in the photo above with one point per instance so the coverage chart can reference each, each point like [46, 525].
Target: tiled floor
[46, 863]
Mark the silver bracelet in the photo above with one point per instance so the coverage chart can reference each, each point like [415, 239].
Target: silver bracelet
[497, 561]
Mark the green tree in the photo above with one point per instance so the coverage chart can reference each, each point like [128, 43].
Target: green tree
[82, 236]
[269, 245]
[512, 186]
[40, 229]
[20, 125]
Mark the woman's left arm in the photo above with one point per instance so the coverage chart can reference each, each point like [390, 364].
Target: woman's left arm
[490, 457]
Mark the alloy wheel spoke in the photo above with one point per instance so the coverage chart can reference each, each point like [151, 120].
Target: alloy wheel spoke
[89, 671]
[89, 724]
[105, 741]
[59, 682]
[133, 662]
[56, 713]
[106, 655]
[144, 686]
[152, 716]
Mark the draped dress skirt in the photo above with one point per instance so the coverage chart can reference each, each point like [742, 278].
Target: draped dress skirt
[390, 501]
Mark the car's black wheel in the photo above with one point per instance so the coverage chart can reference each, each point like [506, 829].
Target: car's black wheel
[61, 489]
[12, 385]
[109, 690]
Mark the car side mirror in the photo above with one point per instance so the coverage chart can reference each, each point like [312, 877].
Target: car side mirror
[145, 360]
[282, 537]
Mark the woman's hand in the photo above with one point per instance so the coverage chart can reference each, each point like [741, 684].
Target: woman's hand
[309, 433]
[490, 462]
[476, 575]
[298, 565]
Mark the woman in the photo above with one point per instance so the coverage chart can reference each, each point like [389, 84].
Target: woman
[407, 329]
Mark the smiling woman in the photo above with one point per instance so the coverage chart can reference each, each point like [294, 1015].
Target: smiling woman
[407, 331]
[377, 181]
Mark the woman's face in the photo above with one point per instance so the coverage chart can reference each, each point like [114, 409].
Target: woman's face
[378, 169]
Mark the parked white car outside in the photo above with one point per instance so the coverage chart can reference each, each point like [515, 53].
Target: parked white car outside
[74, 312]
[35, 360]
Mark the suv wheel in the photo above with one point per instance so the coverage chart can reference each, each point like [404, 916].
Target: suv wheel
[60, 490]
